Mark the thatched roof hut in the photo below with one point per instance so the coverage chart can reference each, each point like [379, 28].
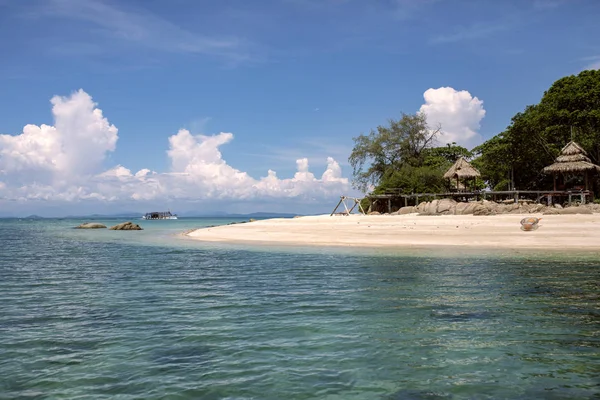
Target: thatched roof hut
[573, 159]
[461, 170]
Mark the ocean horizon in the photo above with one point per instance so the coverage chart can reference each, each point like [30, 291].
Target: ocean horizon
[150, 314]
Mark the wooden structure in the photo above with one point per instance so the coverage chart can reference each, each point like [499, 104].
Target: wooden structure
[573, 159]
[395, 200]
[462, 171]
[348, 210]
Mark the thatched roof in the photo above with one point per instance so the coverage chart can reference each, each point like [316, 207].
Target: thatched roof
[462, 170]
[573, 158]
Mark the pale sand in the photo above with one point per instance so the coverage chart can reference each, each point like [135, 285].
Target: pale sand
[556, 232]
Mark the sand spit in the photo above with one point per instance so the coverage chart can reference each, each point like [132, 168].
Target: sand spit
[411, 230]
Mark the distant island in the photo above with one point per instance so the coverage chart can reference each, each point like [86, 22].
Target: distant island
[189, 214]
[33, 216]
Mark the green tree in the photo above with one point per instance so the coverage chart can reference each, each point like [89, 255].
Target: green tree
[569, 109]
[445, 156]
[382, 153]
[414, 179]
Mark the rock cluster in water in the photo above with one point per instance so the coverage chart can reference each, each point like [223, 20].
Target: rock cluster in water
[90, 225]
[126, 226]
[485, 207]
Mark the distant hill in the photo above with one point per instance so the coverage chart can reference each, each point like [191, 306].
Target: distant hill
[188, 214]
[265, 215]
[119, 215]
[220, 214]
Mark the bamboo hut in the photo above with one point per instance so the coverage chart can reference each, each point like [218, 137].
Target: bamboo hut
[462, 171]
[573, 159]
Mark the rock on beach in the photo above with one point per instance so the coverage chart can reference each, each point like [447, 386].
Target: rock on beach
[485, 207]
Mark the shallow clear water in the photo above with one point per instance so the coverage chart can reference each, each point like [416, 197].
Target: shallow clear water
[129, 315]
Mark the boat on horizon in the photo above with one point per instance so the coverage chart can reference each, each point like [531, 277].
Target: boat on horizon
[159, 215]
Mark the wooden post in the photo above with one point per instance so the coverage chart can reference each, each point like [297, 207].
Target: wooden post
[356, 201]
[405, 201]
[554, 176]
[346, 206]
[336, 207]
[389, 205]
[360, 207]
[569, 198]
[586, 180]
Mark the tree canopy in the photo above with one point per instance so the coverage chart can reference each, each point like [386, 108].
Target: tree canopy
[389, 148]
[401, 156]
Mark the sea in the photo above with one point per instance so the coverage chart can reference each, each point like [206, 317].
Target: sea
[100, 314]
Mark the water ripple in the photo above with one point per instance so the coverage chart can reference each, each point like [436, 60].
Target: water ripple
[102, 319]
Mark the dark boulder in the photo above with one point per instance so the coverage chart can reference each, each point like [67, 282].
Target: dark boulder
[126, 226]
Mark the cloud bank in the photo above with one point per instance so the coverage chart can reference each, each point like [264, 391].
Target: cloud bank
[65, 163]
[458, 112]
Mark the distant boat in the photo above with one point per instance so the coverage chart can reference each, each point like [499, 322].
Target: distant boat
[160, 215]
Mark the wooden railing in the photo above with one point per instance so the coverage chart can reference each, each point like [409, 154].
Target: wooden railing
[538, 196]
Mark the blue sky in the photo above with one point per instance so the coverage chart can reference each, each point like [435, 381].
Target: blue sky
[290, 79]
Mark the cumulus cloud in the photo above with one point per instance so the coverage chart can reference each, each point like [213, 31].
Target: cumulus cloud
[458, 112]
[76, 145]
[64, 163]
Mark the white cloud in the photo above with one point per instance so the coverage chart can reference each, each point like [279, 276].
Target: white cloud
[333, 173]
[76, 145]
[458, 112]
[592, 62]
[476, 31]
[140, 27]
[63, 163]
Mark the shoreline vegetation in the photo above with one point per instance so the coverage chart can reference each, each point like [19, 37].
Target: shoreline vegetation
[437, 225]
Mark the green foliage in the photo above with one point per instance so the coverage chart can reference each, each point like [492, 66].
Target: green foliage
[443, 157]
[411, 179]
[535, 137]
[387, 150]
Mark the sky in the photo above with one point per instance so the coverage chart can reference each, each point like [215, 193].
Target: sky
[242, 106]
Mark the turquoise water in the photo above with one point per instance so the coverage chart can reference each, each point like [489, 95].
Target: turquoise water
[148, 315]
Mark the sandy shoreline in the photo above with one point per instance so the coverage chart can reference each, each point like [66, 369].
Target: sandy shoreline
[566, 232]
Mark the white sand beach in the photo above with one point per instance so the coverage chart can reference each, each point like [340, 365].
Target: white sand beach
[555, 232]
